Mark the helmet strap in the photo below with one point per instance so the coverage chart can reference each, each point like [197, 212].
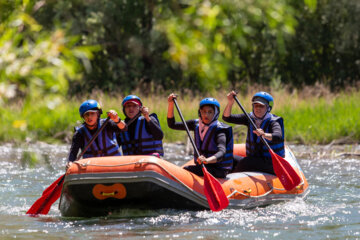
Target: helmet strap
[90, 126]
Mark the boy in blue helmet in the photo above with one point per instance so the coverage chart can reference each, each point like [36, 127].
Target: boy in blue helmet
[270, 126]
[213, 139]
[144, 135]
[105, 144]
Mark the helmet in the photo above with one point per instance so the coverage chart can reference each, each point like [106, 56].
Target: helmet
[213, 102]
[263, 98]
[132, 98]
[210, 101]
[89, 105]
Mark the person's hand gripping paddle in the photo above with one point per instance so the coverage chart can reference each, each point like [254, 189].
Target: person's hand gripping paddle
[53, 192]
[282, 168]
[214, 192]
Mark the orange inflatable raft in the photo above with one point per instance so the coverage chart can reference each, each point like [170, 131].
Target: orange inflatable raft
[103, 185]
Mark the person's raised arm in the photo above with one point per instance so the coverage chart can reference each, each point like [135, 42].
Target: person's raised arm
[170, 113]
[230, 98]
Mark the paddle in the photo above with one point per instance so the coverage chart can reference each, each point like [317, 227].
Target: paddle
[133, 119]
[214, 192]
[282, 168]
[53, 192]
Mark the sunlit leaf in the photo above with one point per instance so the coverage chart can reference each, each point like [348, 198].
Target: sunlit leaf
[311, 4]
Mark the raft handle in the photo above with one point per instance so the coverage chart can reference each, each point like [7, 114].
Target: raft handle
[109, 194]
[249, 191]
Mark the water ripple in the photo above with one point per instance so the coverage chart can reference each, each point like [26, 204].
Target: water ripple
[331, 210]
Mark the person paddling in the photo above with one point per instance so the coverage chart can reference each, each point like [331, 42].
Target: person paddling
[105, 144]
[270, 126]
[213, 139]
[144, 135]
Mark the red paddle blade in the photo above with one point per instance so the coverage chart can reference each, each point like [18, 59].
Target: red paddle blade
[53, 185]
[214, 192]
[284, 171]
[50, 195]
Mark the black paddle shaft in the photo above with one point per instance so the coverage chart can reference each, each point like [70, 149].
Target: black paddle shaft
[100, 129]
[93, 138]
[251, 121]
[186, 127]
[133, 119]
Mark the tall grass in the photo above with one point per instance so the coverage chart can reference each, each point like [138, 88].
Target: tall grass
[309, 118]
[323, 120]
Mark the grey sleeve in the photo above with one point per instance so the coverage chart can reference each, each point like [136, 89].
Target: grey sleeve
[221, 145]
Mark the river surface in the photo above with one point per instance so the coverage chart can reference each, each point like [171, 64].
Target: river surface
[331, 210]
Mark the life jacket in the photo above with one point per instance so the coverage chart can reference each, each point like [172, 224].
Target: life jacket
[208, 146]
[254, 145]
[104, 145]
[143, 142]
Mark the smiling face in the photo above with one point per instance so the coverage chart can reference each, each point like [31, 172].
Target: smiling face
[131, 109]
[259, 109]
[207, 114]
[91, 118]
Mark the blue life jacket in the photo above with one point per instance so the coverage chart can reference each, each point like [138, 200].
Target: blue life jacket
[254, 146]
[143, 142]
[208, 146]
[104, 145]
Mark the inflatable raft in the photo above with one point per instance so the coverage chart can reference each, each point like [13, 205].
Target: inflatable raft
[104, 185]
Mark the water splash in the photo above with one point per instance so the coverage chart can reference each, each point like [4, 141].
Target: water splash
[331, 210]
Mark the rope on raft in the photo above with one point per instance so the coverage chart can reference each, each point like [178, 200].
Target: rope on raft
[142, 161]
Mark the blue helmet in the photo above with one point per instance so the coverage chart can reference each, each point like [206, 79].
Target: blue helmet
[212, 102]
[89, 105]
[133, 98]
[263, 98]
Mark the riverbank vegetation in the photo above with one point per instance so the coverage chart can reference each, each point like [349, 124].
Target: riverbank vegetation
[54, 54]
[311, 117]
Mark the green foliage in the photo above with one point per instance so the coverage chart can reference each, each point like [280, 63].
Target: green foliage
[38, 122]
[156, 46]
[50, 49]
[228, 41]
[311, 4]
[131, 54]
[325, 48]
[36, 64]
[162, 45]
[322, 121]
[316, 120]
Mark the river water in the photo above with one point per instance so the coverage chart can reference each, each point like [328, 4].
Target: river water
[331, 210]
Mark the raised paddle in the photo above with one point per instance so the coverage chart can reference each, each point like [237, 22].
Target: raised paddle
[214, 192]
[53, 192]
[282, 168]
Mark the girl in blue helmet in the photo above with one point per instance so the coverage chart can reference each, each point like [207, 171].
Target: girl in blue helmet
[213, 139]
[144, 135]
[105, 144]
[270, 126]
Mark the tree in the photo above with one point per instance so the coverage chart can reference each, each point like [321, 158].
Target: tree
[325, 48]
[228, 41]
[36, 64]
